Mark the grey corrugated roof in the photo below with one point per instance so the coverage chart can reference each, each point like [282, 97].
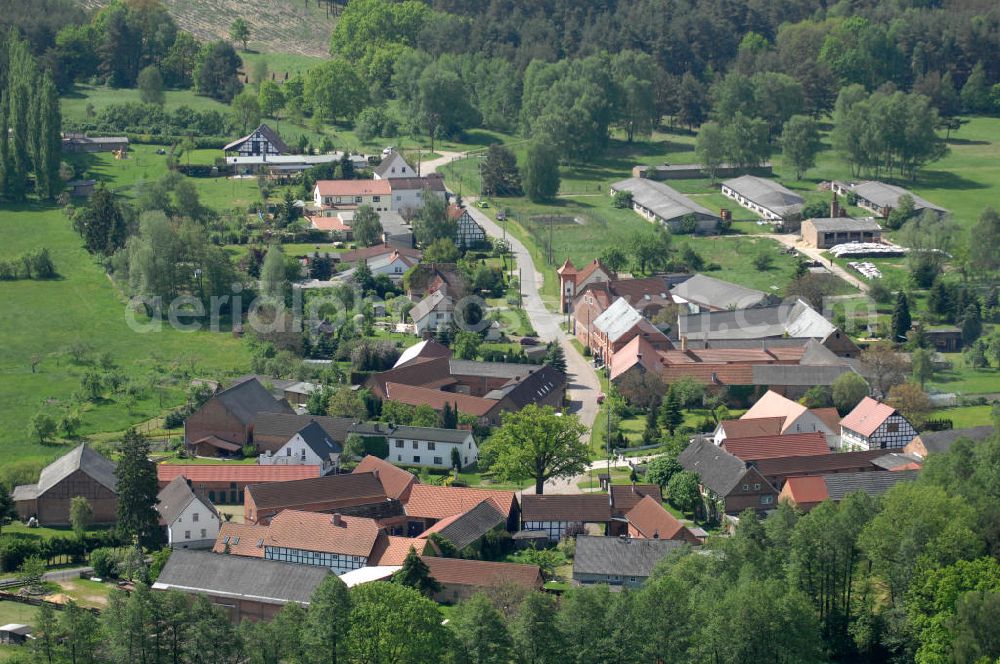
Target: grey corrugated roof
[174, 498]
[791, 319]
[472, 525]
[939, 442]
[241, 577]
[319, 441]
[709, 291]
[767, 193]
[666, 202]
[843, 224]
[244, 400]
[841, 485]
[620, 556]
[797, 374]
[83, 458]
[894, 460]
[617, 319]
[888, 195]
[288, 424]
[719, 470]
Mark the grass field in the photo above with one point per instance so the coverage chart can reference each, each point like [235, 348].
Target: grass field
[276, 26]
[964, 417]
[83, 306]
[965, 380]
[15, 612]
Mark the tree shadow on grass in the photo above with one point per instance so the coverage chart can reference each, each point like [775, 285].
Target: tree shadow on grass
[947, 180]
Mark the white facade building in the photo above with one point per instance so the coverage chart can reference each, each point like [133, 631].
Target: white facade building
[190, 519]
[311, 446]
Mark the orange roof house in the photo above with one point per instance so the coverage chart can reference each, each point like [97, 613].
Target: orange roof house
[395, 481]
[461, 579]
[649, 520]
[429, 501]
[875, 425]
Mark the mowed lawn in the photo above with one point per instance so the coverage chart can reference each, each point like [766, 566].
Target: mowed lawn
[82, 305]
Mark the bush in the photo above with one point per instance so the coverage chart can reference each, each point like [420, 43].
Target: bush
[103, 562]
[15, 550]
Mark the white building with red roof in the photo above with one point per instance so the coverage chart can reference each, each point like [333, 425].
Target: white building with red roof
[873, 425]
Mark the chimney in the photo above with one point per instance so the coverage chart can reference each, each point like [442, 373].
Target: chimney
[684, 344]
[375, 473]
[337, 520]
[656, 534]
[835, 210]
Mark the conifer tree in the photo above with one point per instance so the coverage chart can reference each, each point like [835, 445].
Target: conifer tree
[416, 575]
[901, 320]
[136, 488]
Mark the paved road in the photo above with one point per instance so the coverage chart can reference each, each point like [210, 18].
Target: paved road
[815, 254]
[583, 386]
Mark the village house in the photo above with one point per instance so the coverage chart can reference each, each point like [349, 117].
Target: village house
[767, 198]
[190, 519]
[468, 232]
[244, 588]
[824, 233]
[409, 194]
[428, 447]
[777, 470]
[461, 579]
[432, 313]
[272, 430]
[225, 483]
[223, 425]
[358, 494]
[367, 253]
[393, 265]
[944, 338]
[618, 325]
[573, 281]
[728, 484]
[793, 319]
[619, 561]
[560, 516]
[396, 482]
[261, 142]
[353, 194]
[939, 442]
[664, 205]
[310, 446]
[649, 296]
[873, 425]
[427, 504]
[794, 418]
[469, 528]
[392, 166]
[649, 520]
[808, 492]
[80, 472]
[881, 198]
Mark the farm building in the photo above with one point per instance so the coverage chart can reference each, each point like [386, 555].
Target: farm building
[767, 198]
[659, 203]
[882, 198]
[261, 142]
[828, 232]
[81, 472]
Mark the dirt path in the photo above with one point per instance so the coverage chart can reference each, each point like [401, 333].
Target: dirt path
[817, 255]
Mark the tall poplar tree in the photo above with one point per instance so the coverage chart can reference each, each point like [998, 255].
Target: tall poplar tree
[49, 140]
[21, 76]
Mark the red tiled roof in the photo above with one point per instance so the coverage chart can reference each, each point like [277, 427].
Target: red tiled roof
[439, 502]
[828, 416]
[242, 539]
[583, 508]
[395, 481]
[420, 371]
[328, 223]
[626, 496]
[594, 265]
[234, 472]
[653, 522]
[772, 447]
[818, 464]
[344, 490]
[439, 526]
[760, 426]
[867, 416]
[353, 187]
[392, 550]
[364, 253]
[312, 531]
[804, 490]
[436, 399]
[567, 268]
[480, 573]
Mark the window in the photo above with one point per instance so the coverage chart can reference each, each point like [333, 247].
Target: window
[416, 445]
[756, 486]
[766, 500]
[437, 461]
[187, 534]
[288, 451]
[746, 487]
[194, 517]
[399, 457]
[359, 199]
[399, 443]
[430, 445]
[232, 485]
[376, 199]
[892, 427]
[416, 459]
[203, 535]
